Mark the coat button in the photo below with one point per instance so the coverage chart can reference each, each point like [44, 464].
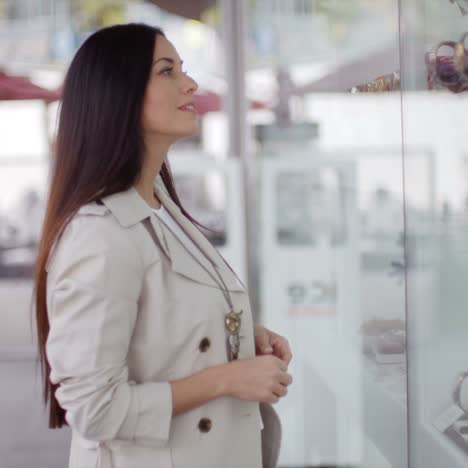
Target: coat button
[205, 425]
[204, 345]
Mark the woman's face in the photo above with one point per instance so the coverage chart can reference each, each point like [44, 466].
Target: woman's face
[169, 89]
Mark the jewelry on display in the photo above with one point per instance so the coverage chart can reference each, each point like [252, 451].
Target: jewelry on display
[390, 82]
[449, 70]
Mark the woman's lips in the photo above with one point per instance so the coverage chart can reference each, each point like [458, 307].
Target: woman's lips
[187, 108]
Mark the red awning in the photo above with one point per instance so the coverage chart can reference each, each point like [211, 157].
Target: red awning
[189, 9]
[21, 88]
[209, 101]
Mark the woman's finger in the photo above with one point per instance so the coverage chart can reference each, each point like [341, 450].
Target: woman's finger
[262, 342]
[282, 350]
[280, 390]
[287, 355]
[285, 379]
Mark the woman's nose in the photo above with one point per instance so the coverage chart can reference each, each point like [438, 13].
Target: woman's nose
[190, 85]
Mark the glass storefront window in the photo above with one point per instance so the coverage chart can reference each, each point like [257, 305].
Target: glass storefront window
[434, 58]
[332, 244]
[380, 87]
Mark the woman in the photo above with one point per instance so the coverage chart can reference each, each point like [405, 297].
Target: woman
[145, 334]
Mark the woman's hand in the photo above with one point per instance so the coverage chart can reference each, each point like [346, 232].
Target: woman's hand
[262, 378]
[267, 342]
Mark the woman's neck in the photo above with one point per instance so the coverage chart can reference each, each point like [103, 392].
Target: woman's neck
[152, 164]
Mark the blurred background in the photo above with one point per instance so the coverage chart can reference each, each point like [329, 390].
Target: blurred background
[333, 160]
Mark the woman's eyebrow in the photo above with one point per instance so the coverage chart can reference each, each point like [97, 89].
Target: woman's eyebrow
[168, 59]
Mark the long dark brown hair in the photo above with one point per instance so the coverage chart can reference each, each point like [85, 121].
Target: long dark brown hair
[99, 149]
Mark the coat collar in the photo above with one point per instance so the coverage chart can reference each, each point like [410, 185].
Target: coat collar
[129, 208]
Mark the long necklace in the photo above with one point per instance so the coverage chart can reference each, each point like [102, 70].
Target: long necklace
[232, 320]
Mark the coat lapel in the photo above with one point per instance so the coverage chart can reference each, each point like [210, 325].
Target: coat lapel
[181, 261]
[129, 208]
[207, 250]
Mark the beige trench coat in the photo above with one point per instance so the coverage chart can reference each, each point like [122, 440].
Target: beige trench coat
[129, 311]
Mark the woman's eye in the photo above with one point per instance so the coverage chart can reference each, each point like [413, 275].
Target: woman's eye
[169, 71]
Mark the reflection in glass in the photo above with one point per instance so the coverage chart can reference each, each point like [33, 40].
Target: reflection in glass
[434, 112]
[204, 197]
[310, 207]
[21, 214]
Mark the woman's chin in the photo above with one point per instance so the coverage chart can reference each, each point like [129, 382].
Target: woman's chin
[189, 132]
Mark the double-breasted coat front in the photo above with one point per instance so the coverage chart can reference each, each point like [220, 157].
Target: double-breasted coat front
[131, 310]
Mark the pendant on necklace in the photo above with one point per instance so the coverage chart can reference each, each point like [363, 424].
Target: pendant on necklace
[233, 321]
[233, 345]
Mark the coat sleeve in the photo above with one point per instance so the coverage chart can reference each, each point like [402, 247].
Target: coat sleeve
[95, 275]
